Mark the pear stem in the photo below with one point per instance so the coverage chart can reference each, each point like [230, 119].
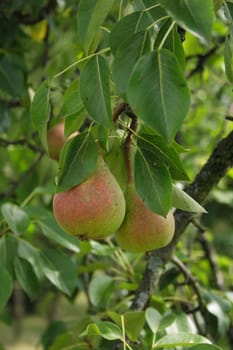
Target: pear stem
[124, 107]
[127, 145]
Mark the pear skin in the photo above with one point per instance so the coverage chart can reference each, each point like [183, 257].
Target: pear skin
[94, 209]
[142, 230]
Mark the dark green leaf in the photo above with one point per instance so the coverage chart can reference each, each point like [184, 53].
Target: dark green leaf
[152, 182]
[172, 42]
[8, 251]
[228, 60]
[65, 267]
[16, 218]
[40, 111]
[26, 277]
[72, 103]
[95, 90]
[158, 92]
[54, 330]
[100, 289]
[11, 78]
[52, 231]
[126, 57]
[91, 14]
[6, 286]
[166, 153]
[194, 16]
[78, 161]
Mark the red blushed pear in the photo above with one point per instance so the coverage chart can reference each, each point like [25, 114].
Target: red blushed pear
[94, 209]
[143, 230]
[56, 140]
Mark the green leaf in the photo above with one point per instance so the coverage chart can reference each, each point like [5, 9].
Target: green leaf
[66, 268]
[131, 24]
[194, 16]
[180, 339]
[228, 60]
[152, 182]
[126, 57]
[33, 256]
[77, 162]
[105, 329]
[205, 347]
[72, 103]
[8, 252]
[172, 42]
[26, 277]
[166, 153]
[7, 286]
[11, 78]
[16, 218]
[40, 111]
[134, 321]
[91, 14]
[158, 92]
[52, 231]
[167, 320]
[100, 289]
[183, 201]
[95, 90]
[153, 319]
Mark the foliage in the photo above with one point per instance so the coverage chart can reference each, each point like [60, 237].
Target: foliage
[98, 65]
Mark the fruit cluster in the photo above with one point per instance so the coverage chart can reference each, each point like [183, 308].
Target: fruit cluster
[98, 208]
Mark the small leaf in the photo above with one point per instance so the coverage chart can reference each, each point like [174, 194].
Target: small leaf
[194, 16]
[78, 161]
[158, 92]
[183, 201]
[95, 90]
[100, 289]
[106, 329]
[91, 14]
[167, 320]
[7, 286]
[52, 231]
[152, 182]
[180, 339]
[16, 218]
[40, 111]
[26, 277]
[153, 319]
[8, 252]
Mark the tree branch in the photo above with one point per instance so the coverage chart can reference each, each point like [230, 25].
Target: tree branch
[214, 169]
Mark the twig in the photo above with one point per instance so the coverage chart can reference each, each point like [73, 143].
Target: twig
[210, 256]
[21, 142]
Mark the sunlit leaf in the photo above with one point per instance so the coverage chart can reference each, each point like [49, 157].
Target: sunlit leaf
[183, 201]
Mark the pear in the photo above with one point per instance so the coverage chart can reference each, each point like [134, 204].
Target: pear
[94, 209]
[56, 140]
[143, 230]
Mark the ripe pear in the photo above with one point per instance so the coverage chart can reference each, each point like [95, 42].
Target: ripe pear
[94, 209]
[56, 140]
[143, 230]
